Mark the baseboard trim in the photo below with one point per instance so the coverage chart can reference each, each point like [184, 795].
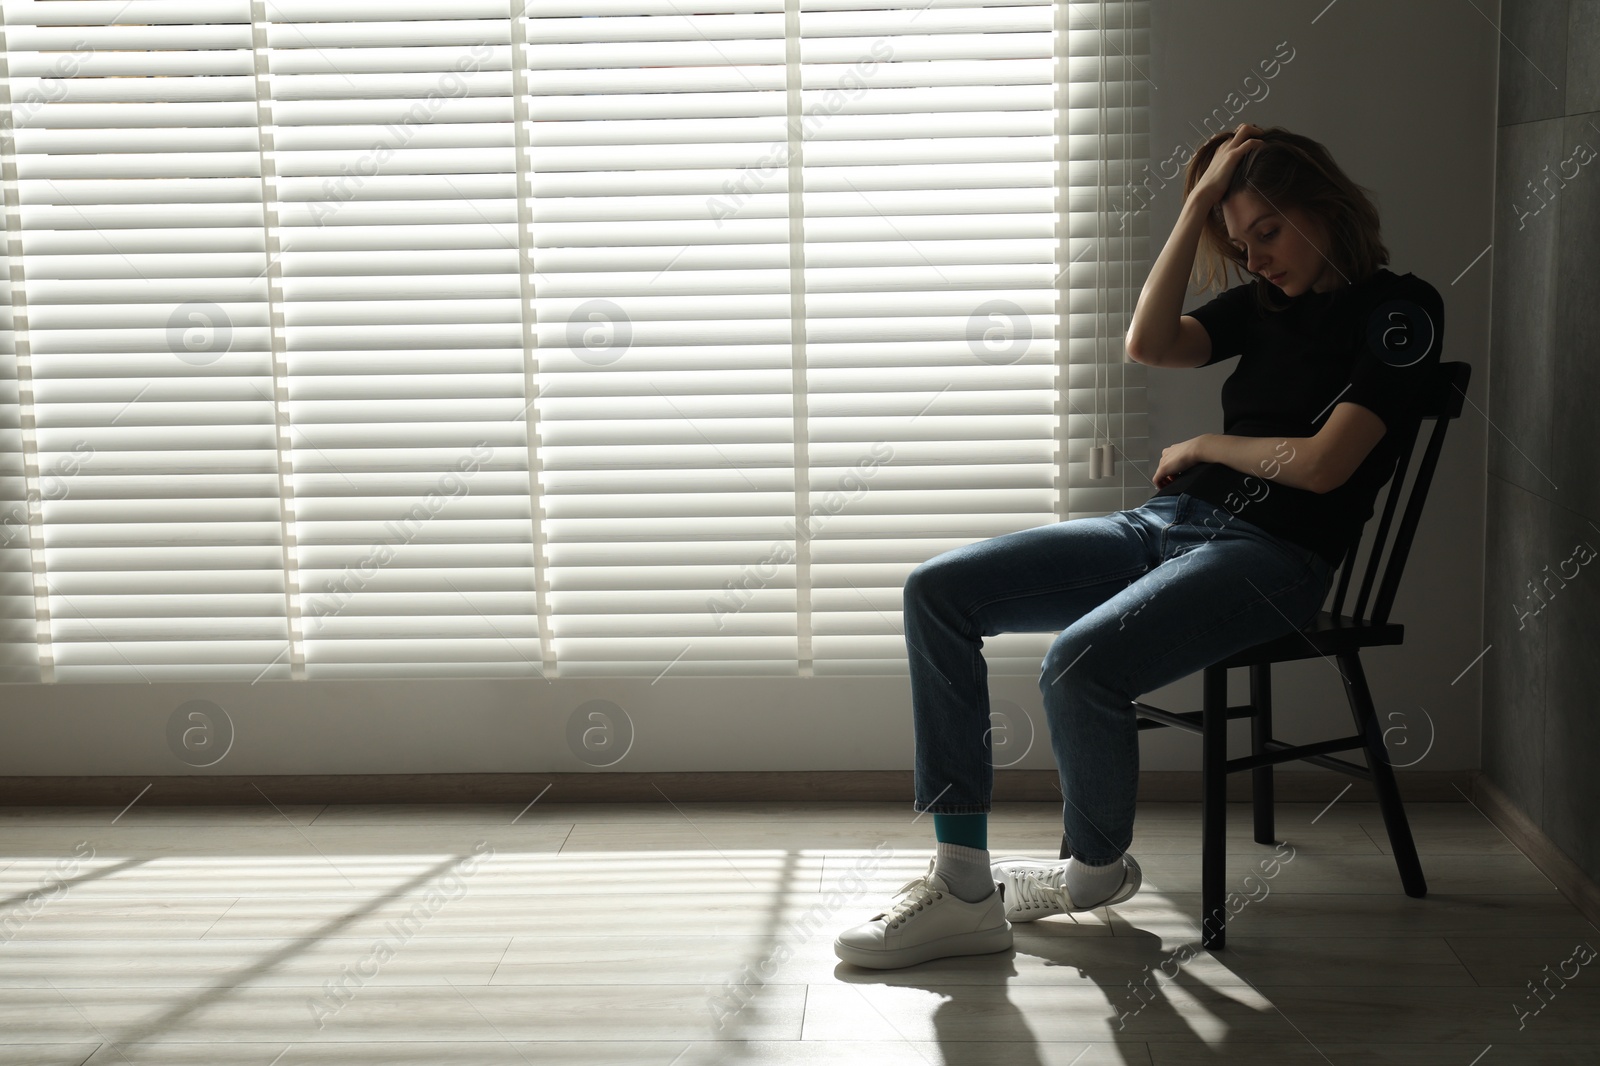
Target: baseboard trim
[695, 787]
[1578, 887]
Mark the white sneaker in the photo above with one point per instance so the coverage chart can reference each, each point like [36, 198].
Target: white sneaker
[1036, 888]
[927, 922]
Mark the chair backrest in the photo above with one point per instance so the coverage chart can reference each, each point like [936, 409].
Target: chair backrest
[1440, 404]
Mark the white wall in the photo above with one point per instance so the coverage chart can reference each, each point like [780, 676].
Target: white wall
[1403, 95]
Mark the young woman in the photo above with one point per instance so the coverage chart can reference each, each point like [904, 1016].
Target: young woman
[1238, 544]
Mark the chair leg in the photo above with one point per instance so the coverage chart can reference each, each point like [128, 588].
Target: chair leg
[1213, 810]
[1260, 733]
[1383, 782]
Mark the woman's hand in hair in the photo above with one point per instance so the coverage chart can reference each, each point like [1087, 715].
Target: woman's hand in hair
[1219, 170]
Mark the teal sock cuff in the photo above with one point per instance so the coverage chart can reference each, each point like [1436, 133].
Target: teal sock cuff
[968, 830]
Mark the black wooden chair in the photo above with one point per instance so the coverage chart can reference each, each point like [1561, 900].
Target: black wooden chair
[1332, 634]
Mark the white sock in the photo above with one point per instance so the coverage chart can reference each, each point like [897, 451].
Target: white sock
[965, 870]
[1089, 885]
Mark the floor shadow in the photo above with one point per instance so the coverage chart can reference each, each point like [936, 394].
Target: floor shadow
[67, 885]
[971, 1016]
[152, 1029]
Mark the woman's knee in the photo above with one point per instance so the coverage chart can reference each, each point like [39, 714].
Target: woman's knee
[1073, 660]
[930, 577]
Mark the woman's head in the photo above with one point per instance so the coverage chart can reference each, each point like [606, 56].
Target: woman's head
[1288, 210]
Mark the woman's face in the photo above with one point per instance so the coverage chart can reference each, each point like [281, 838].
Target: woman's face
[1288, 248]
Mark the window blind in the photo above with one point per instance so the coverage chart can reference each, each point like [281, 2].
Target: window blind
[577, 339]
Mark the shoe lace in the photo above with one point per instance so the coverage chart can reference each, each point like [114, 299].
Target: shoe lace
[1040, 889]
[916, 894]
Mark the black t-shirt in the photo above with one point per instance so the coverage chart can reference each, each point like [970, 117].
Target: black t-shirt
[1370, 342]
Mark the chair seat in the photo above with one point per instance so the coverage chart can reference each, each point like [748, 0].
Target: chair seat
[1328, 634]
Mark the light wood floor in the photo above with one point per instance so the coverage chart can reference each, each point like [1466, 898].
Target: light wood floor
[664, 934]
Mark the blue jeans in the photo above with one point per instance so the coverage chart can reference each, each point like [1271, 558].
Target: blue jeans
[1141, 597]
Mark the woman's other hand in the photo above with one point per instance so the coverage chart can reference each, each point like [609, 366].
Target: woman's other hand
[1176, 458]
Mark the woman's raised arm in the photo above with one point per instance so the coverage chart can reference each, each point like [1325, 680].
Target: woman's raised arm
[1158, 336]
